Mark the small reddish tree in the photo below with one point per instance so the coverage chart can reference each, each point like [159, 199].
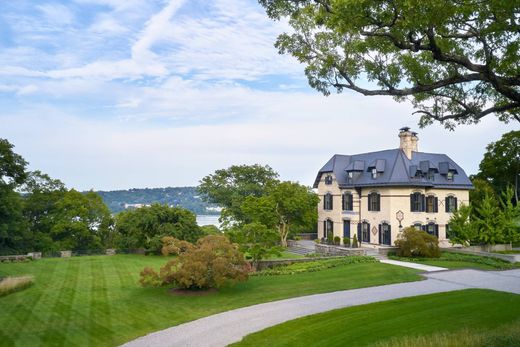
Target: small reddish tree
[212, 263]
[417, 243]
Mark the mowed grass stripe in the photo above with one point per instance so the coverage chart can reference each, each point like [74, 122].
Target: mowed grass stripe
[415, 316]
[99, 320]
[97, 300]
[56, 334]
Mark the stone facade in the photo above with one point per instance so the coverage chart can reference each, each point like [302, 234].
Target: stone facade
[393, 200]
[389, 177]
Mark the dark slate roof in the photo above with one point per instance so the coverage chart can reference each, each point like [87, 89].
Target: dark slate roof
[395, 169]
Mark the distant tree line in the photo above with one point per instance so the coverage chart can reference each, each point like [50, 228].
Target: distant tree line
[38, 213]
[185, 197]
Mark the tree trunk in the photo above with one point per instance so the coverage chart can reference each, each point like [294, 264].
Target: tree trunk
[283, 234]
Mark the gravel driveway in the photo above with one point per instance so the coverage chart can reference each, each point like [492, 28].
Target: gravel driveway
[228, 327]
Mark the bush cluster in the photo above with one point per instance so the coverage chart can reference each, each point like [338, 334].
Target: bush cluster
[313, 266]
[417, 243]
[498, 264]
[211, 263]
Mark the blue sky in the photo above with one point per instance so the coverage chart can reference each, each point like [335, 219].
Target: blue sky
[115, 94]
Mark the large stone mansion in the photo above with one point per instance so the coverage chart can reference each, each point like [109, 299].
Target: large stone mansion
[377, 194]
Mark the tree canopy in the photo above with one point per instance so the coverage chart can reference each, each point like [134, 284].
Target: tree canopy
[501, 163]
[457, 61]
[230, 187]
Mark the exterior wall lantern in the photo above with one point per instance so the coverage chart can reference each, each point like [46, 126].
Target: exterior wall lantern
[399, 216]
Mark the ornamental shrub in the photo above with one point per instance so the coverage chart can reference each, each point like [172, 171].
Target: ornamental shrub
[346, 242]
[355, 242]
[337, 240]
[417, 243]
[212, 263]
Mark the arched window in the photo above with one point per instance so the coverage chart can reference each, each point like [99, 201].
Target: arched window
[347, 201]
[451, 203]
[432, 229]
[327, 202]
[432, 204]
[374, 201]
[418, 225]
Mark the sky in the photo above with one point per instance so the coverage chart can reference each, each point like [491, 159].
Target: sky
[119, 94]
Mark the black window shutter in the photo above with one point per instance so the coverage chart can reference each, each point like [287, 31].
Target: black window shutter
[389, 234]
[436, 205]
[380, 238]
[325, 201]
[446, 205]
[359, 232]
[369, 232]
[324, 229]
[412, 196]
[370, 202]
[378, 202]
[423, 203]
[350, 202]
[343, 201]
[331, 202]
[456, 206]
[437, 230]
[424, 228]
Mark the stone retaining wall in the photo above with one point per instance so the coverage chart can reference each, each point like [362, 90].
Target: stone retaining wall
[338, 250]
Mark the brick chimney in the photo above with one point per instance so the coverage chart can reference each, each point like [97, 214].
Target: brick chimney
[408, 141]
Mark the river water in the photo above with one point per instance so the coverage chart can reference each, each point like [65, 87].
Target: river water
[208, 219]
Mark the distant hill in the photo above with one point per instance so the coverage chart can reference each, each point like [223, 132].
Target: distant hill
[186, 197]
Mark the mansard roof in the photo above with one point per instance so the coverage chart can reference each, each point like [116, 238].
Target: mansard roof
[395, 169]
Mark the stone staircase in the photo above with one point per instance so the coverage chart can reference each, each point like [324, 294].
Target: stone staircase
[299, 250]
[373, 252]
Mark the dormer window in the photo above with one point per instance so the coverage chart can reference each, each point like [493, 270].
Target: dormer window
[450, 175]
[374, 173]
[328, 179]
[431, 175]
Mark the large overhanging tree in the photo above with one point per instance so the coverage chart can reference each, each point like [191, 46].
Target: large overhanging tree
[457, 61]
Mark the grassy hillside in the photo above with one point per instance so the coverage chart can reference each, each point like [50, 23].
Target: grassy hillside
[96, 301]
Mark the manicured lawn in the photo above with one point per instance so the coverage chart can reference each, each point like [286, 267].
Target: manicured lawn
[287, 255]
[416, 316]
[96, 300]
[463, 261]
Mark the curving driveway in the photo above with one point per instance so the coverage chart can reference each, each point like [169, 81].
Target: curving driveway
[228, 327]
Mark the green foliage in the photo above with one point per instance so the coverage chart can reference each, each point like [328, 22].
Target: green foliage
[501, 164]
[417, 243]
[212, 263]
[312, 266]
[256, 241]
[210, 230]
[337, 240]
[355, 242]
[80, 221]
[283, 205]
[456, 61]
[146, 226]
[230, 187]
[12, 166]
[488, 221]
[346, 242]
